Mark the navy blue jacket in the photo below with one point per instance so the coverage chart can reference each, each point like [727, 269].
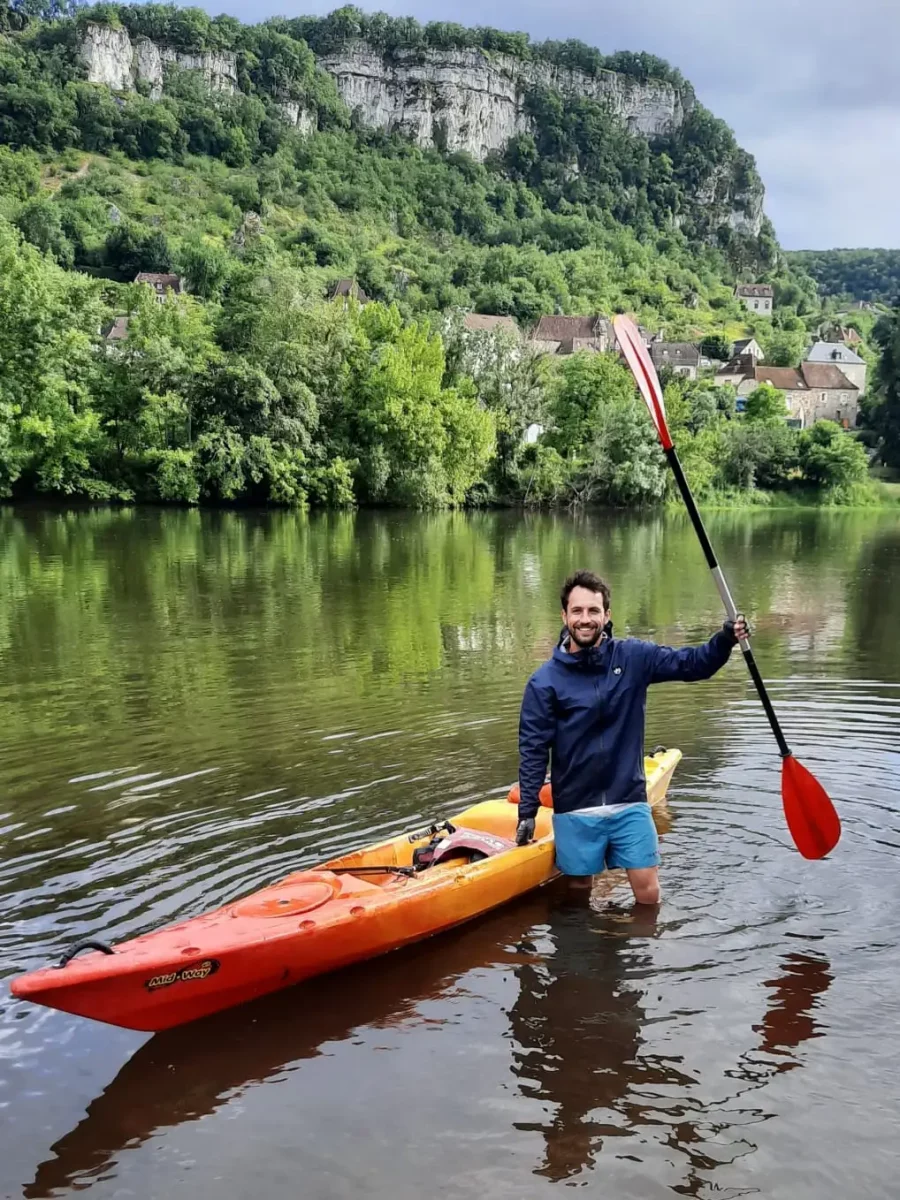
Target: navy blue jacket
[587, 709]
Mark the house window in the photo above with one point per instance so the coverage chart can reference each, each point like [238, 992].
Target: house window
[756, 304]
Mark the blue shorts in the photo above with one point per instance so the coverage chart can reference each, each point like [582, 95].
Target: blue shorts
[586, 843]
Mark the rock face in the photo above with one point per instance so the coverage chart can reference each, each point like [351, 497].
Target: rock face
[113, 59]
[469, 100]
[295, 114]
[456, 100]
[746, 215]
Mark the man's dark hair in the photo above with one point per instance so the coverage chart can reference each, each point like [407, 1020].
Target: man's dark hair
[585, 579]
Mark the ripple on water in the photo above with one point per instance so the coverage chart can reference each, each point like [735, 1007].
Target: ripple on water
[739, 1043]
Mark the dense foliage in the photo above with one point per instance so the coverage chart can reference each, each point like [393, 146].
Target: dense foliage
[253, 386]
[390, 34]
[872, 275]
[883, 409]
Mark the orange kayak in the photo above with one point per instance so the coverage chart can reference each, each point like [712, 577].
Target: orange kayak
[343, 911]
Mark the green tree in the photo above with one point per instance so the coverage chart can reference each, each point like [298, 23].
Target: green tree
[883, 411]
[716, 346]
[765, 405]
[784, 348]
[40, 222]
[586, 383]
[831, 458]
[758, 454]
[48, 363]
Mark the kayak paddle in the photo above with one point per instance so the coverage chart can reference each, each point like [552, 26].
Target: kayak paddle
[810, 815]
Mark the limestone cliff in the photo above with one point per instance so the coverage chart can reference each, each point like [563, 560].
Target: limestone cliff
[474, 101]
[112, 58]
[456, 99]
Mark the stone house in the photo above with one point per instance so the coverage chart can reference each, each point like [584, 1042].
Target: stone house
[735, 371]
[757, 298]
[162, 283]
[682, 357]
[478, 333]
[841, 356]
[831, 395]
[568, 335]
[814, 392]
[786, 379]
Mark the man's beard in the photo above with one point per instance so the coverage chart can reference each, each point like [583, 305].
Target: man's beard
[584, 639]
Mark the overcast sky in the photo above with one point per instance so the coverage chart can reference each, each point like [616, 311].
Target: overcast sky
[811, 88]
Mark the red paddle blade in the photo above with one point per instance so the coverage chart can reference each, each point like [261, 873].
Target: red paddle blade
[641, 366]
[811, 817]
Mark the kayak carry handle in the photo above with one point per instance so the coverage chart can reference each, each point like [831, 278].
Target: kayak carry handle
[90, 944]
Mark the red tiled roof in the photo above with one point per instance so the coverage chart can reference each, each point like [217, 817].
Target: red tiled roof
[117, 330]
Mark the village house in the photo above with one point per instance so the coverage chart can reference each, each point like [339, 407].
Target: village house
[757, 297]
[344, 289]
[749, 348]
[847, 360]
[736, 371]
[162, 283]
[568, 335]
[480, 332]
[813, 392]
[786, 379]
[840, 333]
[681, 357]
[831, 396]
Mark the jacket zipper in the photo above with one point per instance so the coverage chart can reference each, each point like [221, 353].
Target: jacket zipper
[603, 793]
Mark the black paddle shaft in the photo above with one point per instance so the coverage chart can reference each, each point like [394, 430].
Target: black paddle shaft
[713, 565]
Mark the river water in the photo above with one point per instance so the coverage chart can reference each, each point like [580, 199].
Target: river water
[192, 704]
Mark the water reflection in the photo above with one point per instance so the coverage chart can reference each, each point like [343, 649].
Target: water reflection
[790, 1016]
[184, 1074]
[577, 1033]
[579, 1036]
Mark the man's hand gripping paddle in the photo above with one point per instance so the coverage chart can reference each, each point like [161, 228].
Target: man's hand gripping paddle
[811, 817]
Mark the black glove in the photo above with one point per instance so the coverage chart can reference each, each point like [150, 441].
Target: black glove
[728, 628]
[525, 831]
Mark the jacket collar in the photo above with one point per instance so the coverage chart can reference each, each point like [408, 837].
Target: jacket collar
[594, 657]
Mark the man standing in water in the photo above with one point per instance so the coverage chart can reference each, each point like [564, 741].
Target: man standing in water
[585, 708]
